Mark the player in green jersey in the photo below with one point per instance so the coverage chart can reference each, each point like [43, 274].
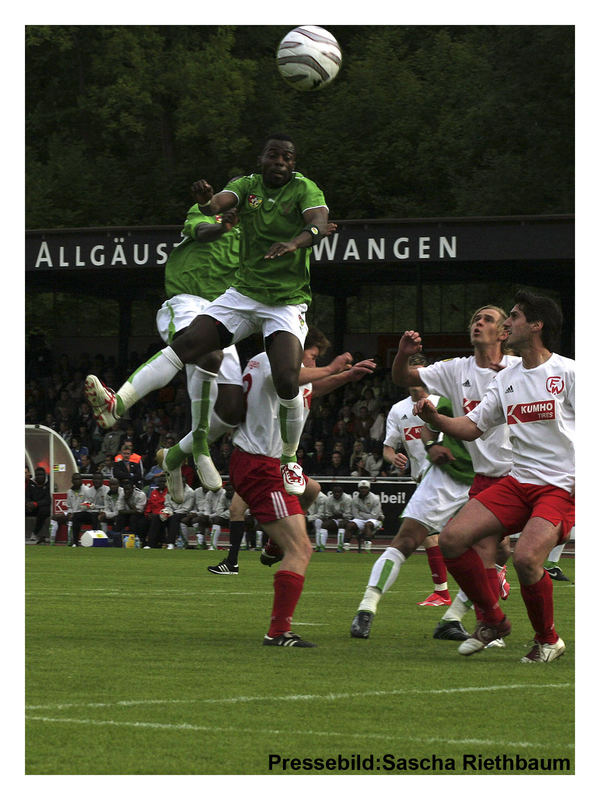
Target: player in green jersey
[282, 214]
[199, 269]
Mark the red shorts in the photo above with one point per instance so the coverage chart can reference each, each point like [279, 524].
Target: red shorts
[258, 481]
[481, 482]
[515, 503]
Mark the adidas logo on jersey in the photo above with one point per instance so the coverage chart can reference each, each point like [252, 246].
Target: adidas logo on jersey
[509, 389]
[467, 382]
[404, 416]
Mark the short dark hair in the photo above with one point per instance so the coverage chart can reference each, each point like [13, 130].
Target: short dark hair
[279, 137]
[538, 308]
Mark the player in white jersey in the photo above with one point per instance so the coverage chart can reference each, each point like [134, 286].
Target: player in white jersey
[464, 382]
[401, 431]
[536, 398]
[255, 473]
[260, 435]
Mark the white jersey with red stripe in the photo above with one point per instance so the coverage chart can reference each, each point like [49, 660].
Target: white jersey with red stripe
[464, 384]
[402, 427]
[539, 406]
[259, 433]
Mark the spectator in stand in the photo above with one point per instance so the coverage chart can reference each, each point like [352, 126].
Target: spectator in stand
[189, 474]
[77, 449]
[64, 429]
[38, 501]
[151, 478]
[363, 423]
[358, 453]
[148, 445]
[377, 431]
[126, 468]
[302, 458]
[317, 461]
[91, 505]
[344, 427]
[374, 463]
[75, 497]
[360, 470]
[87, 466]
[217, 511]
[107, 468]
[222, 456]
[165, 522]
[130, 512]
[111, 441]
[336, 466]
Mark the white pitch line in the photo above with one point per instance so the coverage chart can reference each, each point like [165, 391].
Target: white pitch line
[185, 726]
[304, 697]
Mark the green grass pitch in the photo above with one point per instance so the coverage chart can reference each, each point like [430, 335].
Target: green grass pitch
[142, 662]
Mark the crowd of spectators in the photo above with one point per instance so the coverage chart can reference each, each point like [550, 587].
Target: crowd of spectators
[343, 435]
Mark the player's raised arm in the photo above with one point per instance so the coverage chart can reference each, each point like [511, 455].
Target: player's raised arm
[211, 203]
[408, 346]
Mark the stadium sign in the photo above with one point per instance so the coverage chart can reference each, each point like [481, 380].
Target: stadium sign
[355, 242]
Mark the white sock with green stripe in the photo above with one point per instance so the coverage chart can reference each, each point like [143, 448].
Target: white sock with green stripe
[291, 423]
[383, 575]
[554, 555]
[200, 387]
[460, 605]
[341, 534]
[318, 523]
[153, 374]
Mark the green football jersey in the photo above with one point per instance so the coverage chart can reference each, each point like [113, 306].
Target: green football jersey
[462, 468]
[204, 269]
[267, 216]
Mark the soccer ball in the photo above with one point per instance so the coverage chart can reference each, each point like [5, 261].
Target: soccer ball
[308, 58]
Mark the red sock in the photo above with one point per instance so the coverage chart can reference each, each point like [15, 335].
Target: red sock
[540, 609]
[439, 573]
[288, 588]
[470, 574]
[492, 577]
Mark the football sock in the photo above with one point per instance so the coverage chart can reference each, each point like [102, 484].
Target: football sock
[236, 534]
[288, 588]
[153, 374]
[470, 574]
[200, 385]
[460, 605]
[383, 575]
[215, 532]
[318, 527]
[554, 556]
[438, 570]
[540, 609]
[291, 423]
[340, 538]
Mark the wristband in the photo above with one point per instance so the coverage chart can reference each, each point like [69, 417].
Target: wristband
[314, 232]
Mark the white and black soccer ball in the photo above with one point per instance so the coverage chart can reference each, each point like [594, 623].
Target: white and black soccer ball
[309, 58]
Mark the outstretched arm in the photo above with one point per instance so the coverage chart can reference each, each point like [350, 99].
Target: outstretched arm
[458, 427]
[352, 374]
[211, 203]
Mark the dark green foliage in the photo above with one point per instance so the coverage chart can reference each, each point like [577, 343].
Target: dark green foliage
[421, 121]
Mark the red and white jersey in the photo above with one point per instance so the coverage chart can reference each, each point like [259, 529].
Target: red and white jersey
[402, 427]
[539, 406]
[259, 433]
[464, 384]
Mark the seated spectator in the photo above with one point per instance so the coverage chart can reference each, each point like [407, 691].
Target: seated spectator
[126, 468]
[166, 524]
[111, 441]
[64, 429]
[345, 423]
[151, 478]
[222, 456]
[317, 461]
[87, 466]
[91, 506]
[77, 449]
[108, 515]
[358, 453]
[336, 466]
[377, 430]
[197, 517]
[107, 468]
[190, 476]
[148, 445]
[374, 463]
[75, 497]
[130, 513]
[38, 502]
[360, 470]
[363, 423]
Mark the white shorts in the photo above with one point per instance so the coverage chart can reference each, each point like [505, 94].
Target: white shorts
[360, 523]
[243, 316]
[177, 313]
[436, 500]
